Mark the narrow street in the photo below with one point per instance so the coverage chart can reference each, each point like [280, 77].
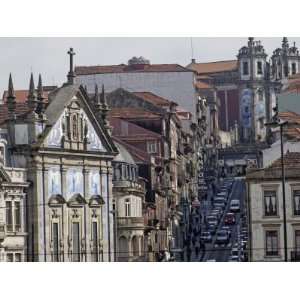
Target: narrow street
[221, 253]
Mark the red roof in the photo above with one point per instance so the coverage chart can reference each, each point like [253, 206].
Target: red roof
[153, 98]
[122, 128]
[293, 84]
[290, 160]
[132, 113]
[21, 95]
[138, 155]
[87, 70]
[201, 85]
[21, 108]
[292, 117]
[214, 67]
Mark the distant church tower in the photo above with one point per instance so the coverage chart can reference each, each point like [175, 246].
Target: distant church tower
[253, 91]
[285, 61]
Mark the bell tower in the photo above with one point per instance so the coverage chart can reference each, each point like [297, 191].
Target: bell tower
[253, 76]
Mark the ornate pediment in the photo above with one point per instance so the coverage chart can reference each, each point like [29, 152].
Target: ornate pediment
[74, 130]
[55, 200]
[76, 200]
[96, 200]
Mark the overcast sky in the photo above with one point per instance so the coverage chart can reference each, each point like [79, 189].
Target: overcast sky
[48, 56]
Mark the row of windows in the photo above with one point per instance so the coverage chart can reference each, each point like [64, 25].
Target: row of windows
[259, 68]
[273, 245]
[13, 257]
[124, 171]
[76, 242]
[271, 203]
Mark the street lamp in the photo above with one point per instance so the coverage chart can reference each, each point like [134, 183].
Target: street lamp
[276, 123]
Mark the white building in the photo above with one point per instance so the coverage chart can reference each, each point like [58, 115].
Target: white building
[129, 197]
[265, 210]
[170, 81]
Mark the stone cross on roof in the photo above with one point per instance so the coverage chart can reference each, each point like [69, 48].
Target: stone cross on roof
[71, 74]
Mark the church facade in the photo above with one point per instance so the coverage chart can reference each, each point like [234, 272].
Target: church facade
[66, 149]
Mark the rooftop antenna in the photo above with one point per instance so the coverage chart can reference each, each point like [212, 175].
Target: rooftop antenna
[192, 51]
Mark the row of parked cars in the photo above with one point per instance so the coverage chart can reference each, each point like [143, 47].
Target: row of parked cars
[239, 250]
[220, 202]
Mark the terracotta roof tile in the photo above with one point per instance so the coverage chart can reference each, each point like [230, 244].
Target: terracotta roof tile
[21, 108]
[153, 98]
[290, 160]
[132, 113]
[292, 133]
[122, 128]
[201, 85]
[214, 67]
[21, 95]
[138, 155]
[122, 68]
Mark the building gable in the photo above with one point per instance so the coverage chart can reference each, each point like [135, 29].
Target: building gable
[72, 123]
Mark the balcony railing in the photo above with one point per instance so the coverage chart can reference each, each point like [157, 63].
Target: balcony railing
[131, 221]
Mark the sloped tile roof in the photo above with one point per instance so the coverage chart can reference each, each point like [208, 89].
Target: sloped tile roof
[293, 84]
[132, 113]
[290, 160]
[122, 128]
[214, 67]
[153, 98]
[292, 117]
[201, 85]
[21, 109]
[138, 155]
[21, 95]
[122, 68]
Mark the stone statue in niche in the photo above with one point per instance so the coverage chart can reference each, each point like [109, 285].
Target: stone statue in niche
[74, 182]
[94, 183]
[54, 186]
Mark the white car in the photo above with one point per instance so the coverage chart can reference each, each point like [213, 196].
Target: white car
[235, 205]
